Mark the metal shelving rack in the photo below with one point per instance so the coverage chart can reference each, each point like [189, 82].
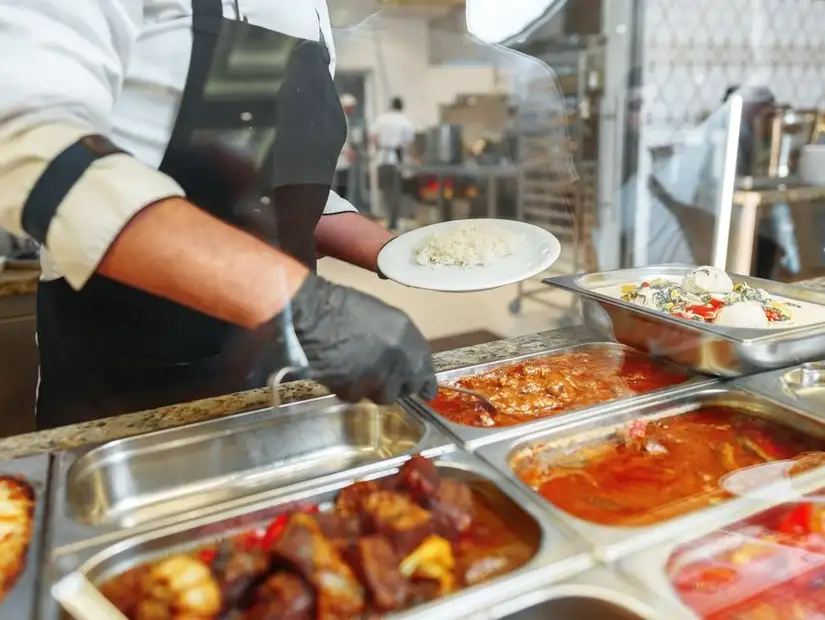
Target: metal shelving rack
[568, 210]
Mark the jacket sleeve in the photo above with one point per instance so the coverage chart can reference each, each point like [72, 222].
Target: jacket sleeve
[65, 184]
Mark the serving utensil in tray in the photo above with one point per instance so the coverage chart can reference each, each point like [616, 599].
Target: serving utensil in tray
[559, 554]
[704, 347]
[171, 474]
[473, 437]
[21, 599]
[612, 542]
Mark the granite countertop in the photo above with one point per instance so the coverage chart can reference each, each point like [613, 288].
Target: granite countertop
[131, 424]
[18, 282]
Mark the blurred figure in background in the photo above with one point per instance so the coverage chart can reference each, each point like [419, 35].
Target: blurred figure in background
[393, 134]
[776, 243]
[682, 190]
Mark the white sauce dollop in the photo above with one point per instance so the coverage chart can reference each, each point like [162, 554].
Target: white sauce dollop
[708, 280]
[746, 314]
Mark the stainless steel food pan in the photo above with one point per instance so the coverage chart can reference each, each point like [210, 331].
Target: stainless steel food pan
[559, 553]
[21, 601]
[167, 475]
[608, 542]
[473, 437]
[707, 348]
[649, 567]
[601, 593]
[800, 387]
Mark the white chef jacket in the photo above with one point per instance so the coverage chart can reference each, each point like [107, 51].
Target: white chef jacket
[115, 68]
[393, 131]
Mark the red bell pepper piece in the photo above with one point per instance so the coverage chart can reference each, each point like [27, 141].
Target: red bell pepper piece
[208, 555]
[274, 531]
[798, 520]
[248, 540]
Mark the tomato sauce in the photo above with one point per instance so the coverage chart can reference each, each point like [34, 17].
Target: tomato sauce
[654, 471]
[546, 386]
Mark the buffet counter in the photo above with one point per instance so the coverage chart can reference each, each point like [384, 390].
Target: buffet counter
[591, 480]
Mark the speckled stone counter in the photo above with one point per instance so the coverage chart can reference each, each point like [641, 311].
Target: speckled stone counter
[146, 421]
[18, 282]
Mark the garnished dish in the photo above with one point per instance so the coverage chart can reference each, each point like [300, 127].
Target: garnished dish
[653, 470]
[385, 546]
[709, 295]
[16, 524]
[771, 567]
[545, 386]
[475, 244]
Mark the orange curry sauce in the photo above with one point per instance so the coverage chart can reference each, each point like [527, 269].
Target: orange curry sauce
[657, 470]
[546, 386]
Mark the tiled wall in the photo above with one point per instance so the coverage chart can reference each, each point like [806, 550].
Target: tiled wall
[695, 49]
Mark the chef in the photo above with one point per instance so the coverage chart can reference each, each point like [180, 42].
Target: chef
[174, 159]
[393, 134]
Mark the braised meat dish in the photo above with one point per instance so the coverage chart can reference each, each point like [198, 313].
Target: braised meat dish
[653, 470]
[771, 567]
[546, 386]
[385, 546]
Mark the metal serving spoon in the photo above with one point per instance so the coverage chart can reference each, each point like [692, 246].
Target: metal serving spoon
[485, 402]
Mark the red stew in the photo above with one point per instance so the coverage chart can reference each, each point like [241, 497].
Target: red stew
[661, 469]
[768, 568]
[546, 386]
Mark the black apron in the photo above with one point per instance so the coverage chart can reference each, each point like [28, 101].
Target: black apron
[255, 144]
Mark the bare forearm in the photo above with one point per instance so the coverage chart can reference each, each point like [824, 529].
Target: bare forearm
[352, 238]
[174, 250]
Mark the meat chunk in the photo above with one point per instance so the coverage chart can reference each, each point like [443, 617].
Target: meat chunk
[304, 547]
[341, 529]
[452, 508]
[284, 596]
[125, 591]
[418, 477]
[349, 499]
[238, 572]
[399, 518]
[376, 562]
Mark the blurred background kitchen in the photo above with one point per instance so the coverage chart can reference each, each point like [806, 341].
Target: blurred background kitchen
[637, 131]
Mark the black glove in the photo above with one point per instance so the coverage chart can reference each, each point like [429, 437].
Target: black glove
[359, 347]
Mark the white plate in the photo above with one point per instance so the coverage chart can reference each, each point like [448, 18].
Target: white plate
[537, 252]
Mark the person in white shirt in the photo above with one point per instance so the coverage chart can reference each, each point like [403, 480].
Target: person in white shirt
[393, 134]
[180, 189]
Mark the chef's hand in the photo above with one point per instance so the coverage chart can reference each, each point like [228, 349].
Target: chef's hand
[359, 347]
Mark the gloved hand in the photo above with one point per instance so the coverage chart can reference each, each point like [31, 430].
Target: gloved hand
[359, 347]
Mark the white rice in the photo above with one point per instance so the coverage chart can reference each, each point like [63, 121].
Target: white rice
[471, 245]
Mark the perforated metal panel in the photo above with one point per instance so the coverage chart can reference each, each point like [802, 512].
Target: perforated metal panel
[695, 49]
